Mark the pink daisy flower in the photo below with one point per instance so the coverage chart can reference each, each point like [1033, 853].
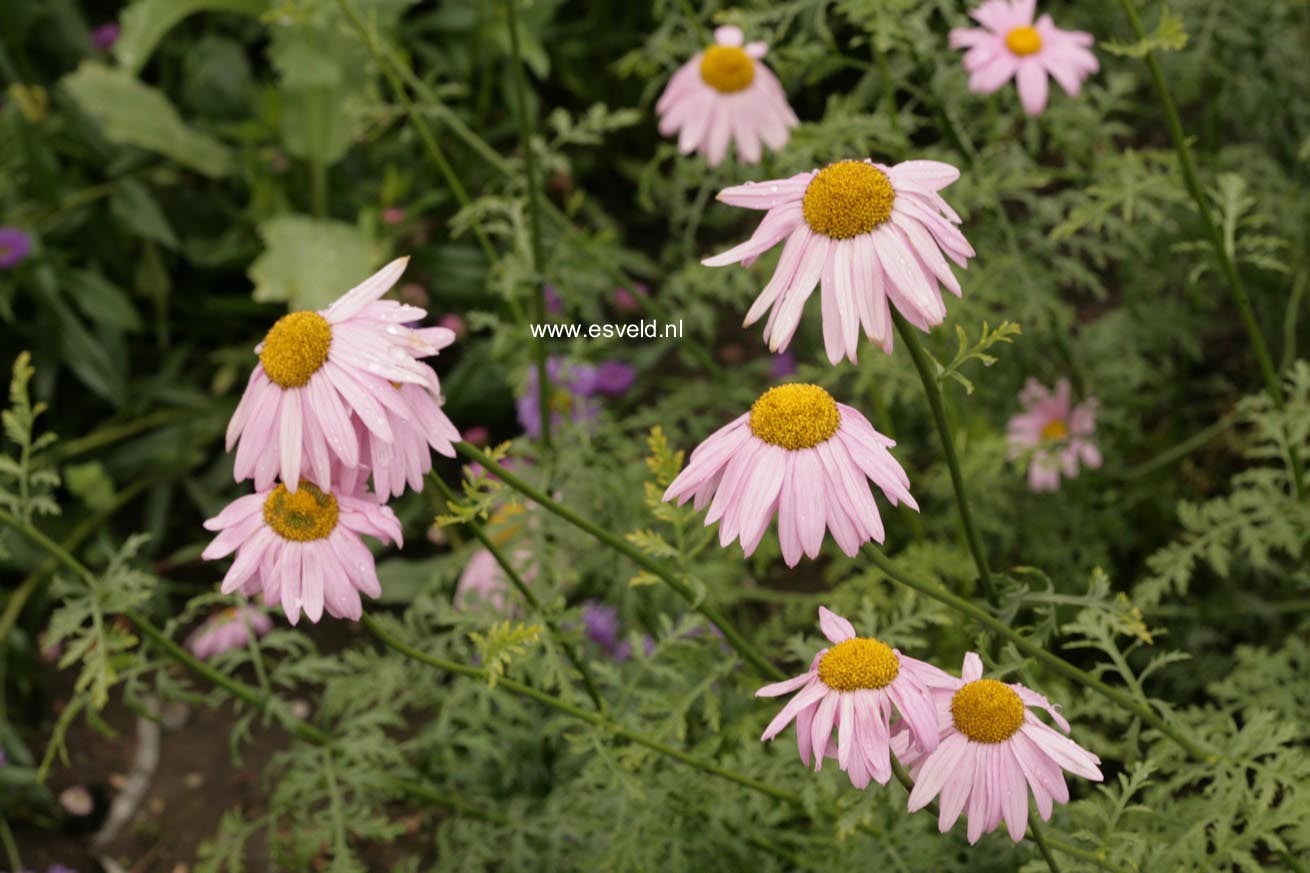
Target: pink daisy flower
[855, 686]
[722, 93]
[992, 751]
[318, 371]
[1010, 46]
[871, 236]
[802, 456]
[1054, 435]
[302, 549]
[227, 630]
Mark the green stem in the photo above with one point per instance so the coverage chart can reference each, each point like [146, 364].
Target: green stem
[1177, 452]
[534, 215]
[1035, 831]
[1192, 181]
[1054, 662]
[521, 586]
[934, 394]
[11, 847]
[731, 635]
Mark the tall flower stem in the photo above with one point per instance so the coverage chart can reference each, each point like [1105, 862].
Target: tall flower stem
[1054, 662]
[1192, 181]
[934, 394]
[534, 213]
[731, 635]
[570, 651]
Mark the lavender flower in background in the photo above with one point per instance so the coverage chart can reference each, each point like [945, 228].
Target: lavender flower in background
[603, 627]
[613, 378]
[104, 36]
[782, 365]
[554, 303]
[574, 389]
[15, 245]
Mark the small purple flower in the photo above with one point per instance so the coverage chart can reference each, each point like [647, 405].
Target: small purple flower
[571, 389]
[626, 300]
[554, 303]
[614, 377]
[15, 245]
[104, 36]
[602, 624]
[782, 365]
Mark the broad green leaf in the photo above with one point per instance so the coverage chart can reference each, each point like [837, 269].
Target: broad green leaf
[132, 113]
[309, 262]
[145, 22]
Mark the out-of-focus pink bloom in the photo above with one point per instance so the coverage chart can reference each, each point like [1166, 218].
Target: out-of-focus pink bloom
[1052, 434]
[104, 36]
[726, 93]
[227, 630]
[614, 378]
[15, 245]
[454, 323]
[627, 300]
[1010, 46]
[484, 580]
[991, 751]
[477, 435]
[799, 455]
[870, 236]
[393, 215]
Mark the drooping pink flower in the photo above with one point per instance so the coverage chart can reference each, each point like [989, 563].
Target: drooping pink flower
[227, 630]
[855, 686]
[319, 373]
[1010, 46]
[871, 236]
[799, 455]
[1052, 434]
[303, 549]
[991, 752]
[726, 93]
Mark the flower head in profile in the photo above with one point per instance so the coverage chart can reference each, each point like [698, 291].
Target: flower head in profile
[855, 687]
[227, 630]
[322, 373]
[870, 236]
[726, 93]
[800, 455]
[993, 750]
[15, 245]
[1009, 45]
[574, 392]
[1053, 434]
[302, 549]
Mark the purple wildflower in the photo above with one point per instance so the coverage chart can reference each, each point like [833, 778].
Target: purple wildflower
[15, 245]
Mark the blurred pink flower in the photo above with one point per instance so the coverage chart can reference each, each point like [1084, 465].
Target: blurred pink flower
[393, 215]
[856, 686]
[1052, 434]
[227, 630]
[1010, 46]
[484, 580]
[802, 456]
[104, 36]
[477, 435]
[303, 549]
[454, 323]
[722, 93]
[991, 752]
[868, 234]
[627, 300]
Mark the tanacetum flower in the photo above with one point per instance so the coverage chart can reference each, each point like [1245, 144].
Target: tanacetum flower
[992, 751]
[855, 687]
[1010, 46]
[302, 549]
[319, 372]
[869, 235]
[1052, 434]
[802, 456]
[228, 630]
[14, 247]
[723, 93]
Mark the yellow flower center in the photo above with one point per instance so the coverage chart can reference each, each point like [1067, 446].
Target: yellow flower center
[847, 199]
[795, 416]
[309, 514]
[987, 711]
[1055, 429]
[1023, 41]
[295, 348]
[727, 69]
[859, 663]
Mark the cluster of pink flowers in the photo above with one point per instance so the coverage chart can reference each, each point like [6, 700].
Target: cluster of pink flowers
[338, 397]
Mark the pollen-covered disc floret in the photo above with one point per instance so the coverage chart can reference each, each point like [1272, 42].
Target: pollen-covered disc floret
[727, 69]
[795, 416]
[345, 388]
[869, 236]
[862, 662]
[1011, 45]
[855, 687]
[987, 711]
[296, 348]
[991, 753]
[726, 94]
[802, 457]
[847, 199]
[303, 550]
[1052, 435]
